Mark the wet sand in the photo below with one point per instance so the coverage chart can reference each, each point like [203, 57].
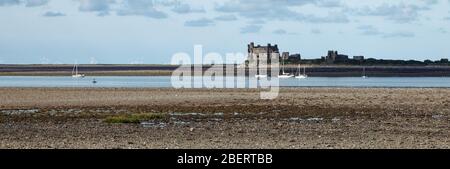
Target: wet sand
[226, 118]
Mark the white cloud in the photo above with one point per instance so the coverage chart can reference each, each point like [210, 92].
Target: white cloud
[226, 18]
[9, 2]
[251, 29]
[33, 3]
[186, 8]
[28, 3]
[53, 14]
[103, 7]
[399, 13]
[370, 30]
[281, 10]
[140, 8]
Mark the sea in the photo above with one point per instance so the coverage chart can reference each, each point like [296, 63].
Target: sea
[166, 82]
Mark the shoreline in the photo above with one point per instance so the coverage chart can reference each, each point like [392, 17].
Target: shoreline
[222, 118]
[166, 70]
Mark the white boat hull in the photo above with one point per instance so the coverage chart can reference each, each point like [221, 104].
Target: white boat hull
[285, 76]
[301, 77]
[78, 76]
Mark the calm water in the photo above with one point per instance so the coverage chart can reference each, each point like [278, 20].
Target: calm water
[165, 81]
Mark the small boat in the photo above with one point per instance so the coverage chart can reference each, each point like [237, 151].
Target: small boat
[364, 73]
[301, 76]
[284, 75]
[94, 81]
[260, 76]
[75, 73]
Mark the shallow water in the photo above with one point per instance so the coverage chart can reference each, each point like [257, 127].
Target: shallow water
[165, 81]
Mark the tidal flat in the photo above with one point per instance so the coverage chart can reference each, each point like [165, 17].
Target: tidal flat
[224, 118]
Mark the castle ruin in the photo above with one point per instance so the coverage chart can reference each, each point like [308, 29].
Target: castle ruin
[262, 54]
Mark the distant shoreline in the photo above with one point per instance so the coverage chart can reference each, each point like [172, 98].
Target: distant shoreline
[166, 70]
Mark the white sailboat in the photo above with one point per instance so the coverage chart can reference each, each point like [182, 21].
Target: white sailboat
[364, 73]
[260, 76]
[284, 75]
[75, 73]
[301, 76]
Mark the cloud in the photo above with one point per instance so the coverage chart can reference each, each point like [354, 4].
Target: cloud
[226, 18]
[281, 10]
[53, 14]
[280, 32]
[369, 30]
[100, 6]
[203, 22]
[251, 29]
[399, 34]
[33, 3]
[257, 9]
[140, 8]
[28, 3]
[330, 18]
[257, 22]
[329, 3]
[9, 2]
[185, 8]
[399, 13]
[144, 8]
[431, 2]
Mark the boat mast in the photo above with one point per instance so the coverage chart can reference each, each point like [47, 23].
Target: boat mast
[364, 71]
[304, 70]
[73, 69]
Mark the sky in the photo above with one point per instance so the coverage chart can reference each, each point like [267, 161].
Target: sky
[152, 31]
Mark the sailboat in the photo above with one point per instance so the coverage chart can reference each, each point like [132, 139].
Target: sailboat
[284, 75]
[260, 76]
[364, 73]
[75, 73]
[301, 76]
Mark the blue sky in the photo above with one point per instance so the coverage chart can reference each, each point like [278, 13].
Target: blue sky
[145, 31]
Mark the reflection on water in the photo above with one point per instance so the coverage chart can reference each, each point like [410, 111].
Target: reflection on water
[165, 81]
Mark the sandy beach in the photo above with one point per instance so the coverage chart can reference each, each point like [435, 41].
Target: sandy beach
[225, 118]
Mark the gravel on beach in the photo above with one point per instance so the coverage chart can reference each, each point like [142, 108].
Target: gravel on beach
[226, 118]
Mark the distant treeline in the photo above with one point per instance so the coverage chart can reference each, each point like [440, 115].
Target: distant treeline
[372, 62]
